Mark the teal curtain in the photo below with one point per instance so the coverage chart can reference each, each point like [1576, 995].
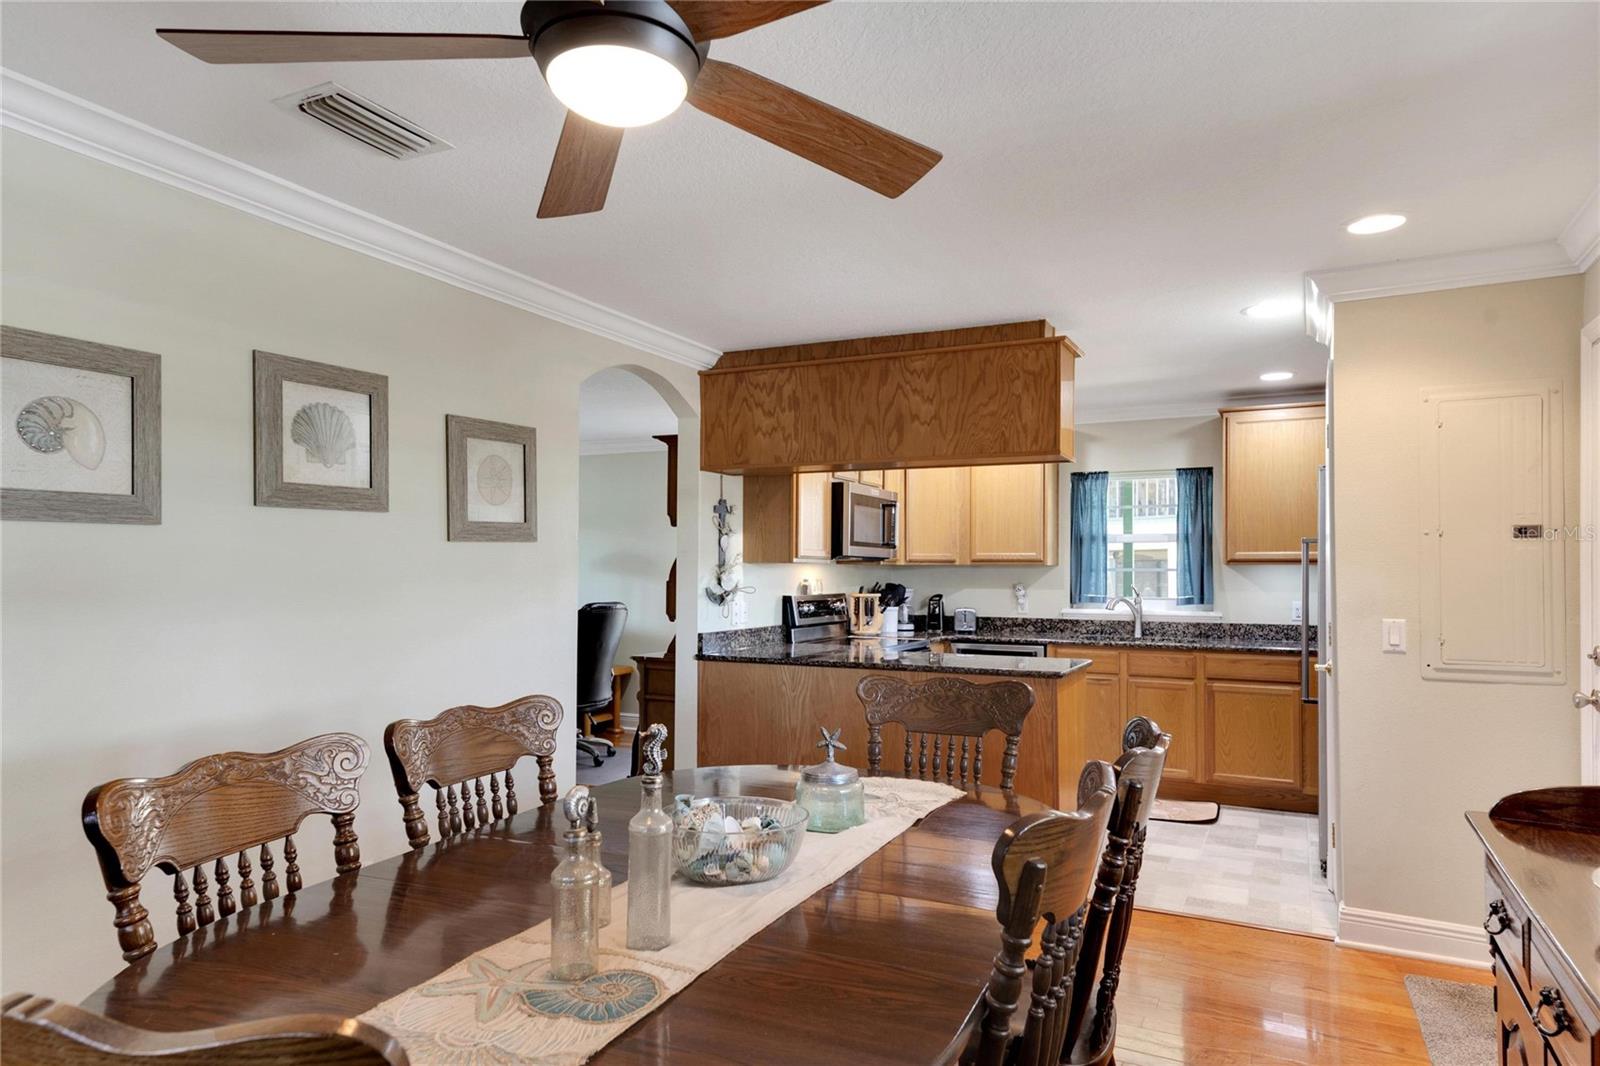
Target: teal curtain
[1089, 537]
[1195, 577]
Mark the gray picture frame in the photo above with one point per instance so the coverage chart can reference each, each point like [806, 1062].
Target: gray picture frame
[143, 505]
[457, 429]
[271, 371]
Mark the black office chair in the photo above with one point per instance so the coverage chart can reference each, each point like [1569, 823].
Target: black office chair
[600, 628]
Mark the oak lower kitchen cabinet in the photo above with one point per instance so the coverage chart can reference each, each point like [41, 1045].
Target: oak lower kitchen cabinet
[949, 515]
[770, 712]
[1240, 733]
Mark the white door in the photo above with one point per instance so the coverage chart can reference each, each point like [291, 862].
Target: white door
[1589, 529]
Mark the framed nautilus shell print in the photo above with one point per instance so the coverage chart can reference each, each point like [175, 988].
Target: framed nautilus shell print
[490, 480]
[81, 440]
[322, 435]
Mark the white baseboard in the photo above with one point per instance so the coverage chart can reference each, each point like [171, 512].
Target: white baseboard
[1413, 938]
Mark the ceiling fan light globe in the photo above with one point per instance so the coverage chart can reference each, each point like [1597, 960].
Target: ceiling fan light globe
[616, 85]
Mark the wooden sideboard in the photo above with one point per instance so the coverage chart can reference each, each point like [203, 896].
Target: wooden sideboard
[1240, 734]
[1542, 858]
[658, 679]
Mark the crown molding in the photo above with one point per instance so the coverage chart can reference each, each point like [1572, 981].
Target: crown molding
[1403, 277]
[1581, 238]
[44, 112]
[618, 445]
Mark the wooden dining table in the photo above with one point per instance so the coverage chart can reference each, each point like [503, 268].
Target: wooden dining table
[886, 964]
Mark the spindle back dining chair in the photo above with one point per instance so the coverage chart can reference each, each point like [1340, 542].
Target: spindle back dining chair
[454, 751]
[1043, 865]
[1139, 767]
[945, 709]
[41, 1032]
[215, 807]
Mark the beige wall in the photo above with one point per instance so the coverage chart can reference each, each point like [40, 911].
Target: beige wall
[1416, 754]
[1591, 293]
[1259, 592]
[130, 650]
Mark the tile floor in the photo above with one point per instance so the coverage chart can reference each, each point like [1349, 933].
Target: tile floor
[1255, 867]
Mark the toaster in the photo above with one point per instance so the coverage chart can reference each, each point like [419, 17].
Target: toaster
[966, 620]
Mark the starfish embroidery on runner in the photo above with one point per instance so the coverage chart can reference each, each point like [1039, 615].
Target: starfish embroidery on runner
[495, 987]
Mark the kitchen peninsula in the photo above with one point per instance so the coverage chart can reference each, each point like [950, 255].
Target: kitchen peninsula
[1229, 694]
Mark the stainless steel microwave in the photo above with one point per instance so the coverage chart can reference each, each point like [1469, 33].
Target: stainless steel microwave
[866, 521]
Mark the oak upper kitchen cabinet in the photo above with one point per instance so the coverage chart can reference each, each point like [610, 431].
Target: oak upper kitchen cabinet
[949, 515]
[933, 515]
[1270, 459]
[1013, 513]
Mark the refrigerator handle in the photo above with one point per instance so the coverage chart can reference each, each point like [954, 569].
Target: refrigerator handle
[1305, 619]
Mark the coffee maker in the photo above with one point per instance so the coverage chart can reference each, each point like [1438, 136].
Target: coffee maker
[936, 613]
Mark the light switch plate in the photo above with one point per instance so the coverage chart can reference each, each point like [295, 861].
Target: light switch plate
[1394, 636]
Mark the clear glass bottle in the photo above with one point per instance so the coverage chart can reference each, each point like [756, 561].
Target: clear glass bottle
[602, 881]
[650, 856]
[574, 933]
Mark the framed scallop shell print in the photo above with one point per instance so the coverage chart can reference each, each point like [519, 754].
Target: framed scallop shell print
[81, 440]
[490, 480]
[322, 435]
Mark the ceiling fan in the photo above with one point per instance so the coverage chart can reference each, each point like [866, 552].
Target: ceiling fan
[616, 64]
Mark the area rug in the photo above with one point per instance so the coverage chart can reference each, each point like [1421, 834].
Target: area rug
[1457, 1020]
[1194, 812]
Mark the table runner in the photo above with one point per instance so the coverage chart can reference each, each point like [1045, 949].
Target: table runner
[498, 1005]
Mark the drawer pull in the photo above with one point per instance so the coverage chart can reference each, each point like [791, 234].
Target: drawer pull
[1551, 999]
[1497, 913]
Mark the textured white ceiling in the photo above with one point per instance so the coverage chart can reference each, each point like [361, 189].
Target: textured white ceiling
[1136, 173]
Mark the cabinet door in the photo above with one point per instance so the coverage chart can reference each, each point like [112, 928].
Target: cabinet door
[1172, 704]
[813, 502]
[1255, 730]
[1102, 716]
[1012, 513]
[934, 514]
[871, 477]
[1271, 456]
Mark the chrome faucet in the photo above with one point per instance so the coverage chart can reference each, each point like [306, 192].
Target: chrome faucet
[1136, 605]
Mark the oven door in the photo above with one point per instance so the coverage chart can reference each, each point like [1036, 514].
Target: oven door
[865, 521]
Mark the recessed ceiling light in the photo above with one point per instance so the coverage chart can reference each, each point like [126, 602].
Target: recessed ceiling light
[1279, 307]
[1277, 375]
[1371, 224]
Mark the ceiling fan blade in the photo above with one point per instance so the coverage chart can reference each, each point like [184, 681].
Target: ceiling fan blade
[294, 46]
[851, 147]
[580, 174]
[709, 20]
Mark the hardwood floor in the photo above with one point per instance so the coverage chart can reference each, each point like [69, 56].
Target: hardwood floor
[1211, 994]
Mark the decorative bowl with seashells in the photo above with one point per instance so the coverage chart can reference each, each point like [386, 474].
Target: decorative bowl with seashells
[736, 840]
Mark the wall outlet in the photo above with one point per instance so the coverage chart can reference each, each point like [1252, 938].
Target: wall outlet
[1394, 636]
[1294, 610]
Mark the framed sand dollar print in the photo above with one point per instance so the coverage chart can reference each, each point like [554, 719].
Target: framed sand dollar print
[489, 480]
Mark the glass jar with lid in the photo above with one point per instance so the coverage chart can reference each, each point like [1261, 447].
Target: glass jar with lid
[831, 791]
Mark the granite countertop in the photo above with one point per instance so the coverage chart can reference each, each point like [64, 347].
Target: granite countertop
[1078, 632]
[870, 653]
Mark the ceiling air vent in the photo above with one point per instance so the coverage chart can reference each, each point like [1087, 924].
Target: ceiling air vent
[357, 117]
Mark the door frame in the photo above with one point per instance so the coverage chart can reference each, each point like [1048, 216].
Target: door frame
[1588, 548]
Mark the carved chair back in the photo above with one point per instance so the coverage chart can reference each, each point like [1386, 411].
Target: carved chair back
[945, 709]
[215, 807]
[42, 1032]
[1043, 865]
[456, 750]
[1144, 756]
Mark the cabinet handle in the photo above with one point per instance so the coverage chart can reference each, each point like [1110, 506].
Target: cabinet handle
[1549, 997]
[1497, 912]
